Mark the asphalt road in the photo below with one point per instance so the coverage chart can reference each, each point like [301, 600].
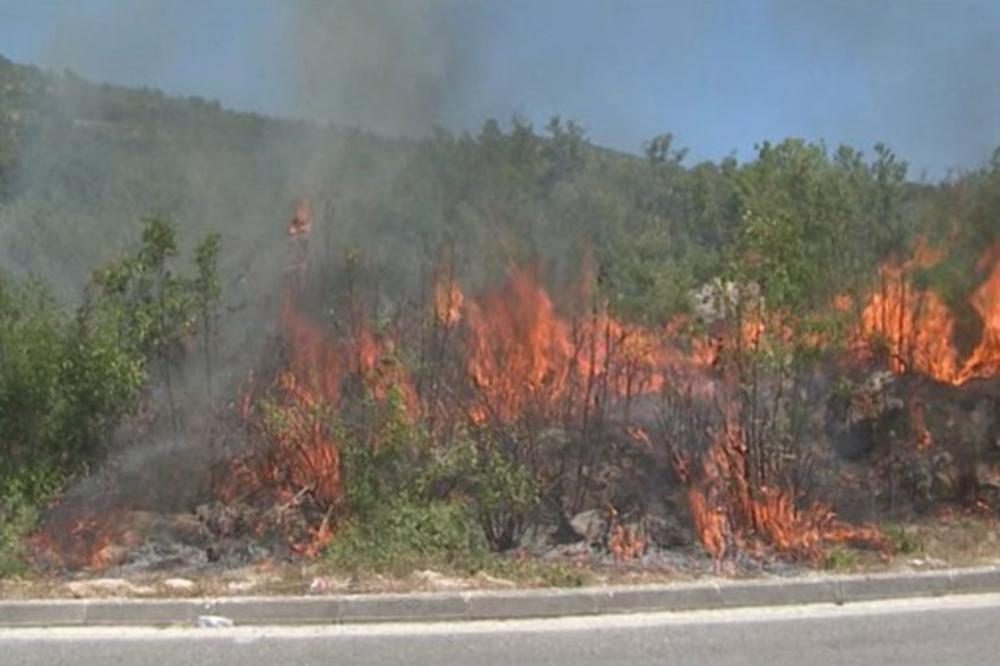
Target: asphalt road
[954, 630]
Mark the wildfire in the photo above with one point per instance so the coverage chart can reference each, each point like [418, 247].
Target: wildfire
[523, 354]
[729, 516]
[917, 327]
[520, 349]
[301, 220]
[448, 302]
[985, 358]
[88, 540]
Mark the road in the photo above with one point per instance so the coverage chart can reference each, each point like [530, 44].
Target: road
[953, 630]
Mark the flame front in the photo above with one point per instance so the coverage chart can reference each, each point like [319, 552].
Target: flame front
[917, 327]
[728, 516]
[985, 358]
[523, 354]
[523, 359]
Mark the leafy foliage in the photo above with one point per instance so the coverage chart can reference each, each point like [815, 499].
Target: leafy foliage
[406, 535]
[409, 499]
[67, 382]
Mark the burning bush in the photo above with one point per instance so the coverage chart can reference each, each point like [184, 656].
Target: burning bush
[373, 478]
[435, 430]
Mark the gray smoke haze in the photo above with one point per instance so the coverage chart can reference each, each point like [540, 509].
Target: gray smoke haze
[927, 69]
[384, 65]
[401, 67]
[393, 67]
[916, 74]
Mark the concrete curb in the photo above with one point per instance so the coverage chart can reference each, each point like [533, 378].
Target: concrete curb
[499, 605]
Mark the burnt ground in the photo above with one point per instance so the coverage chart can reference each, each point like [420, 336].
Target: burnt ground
[919, 459]
[952, 538]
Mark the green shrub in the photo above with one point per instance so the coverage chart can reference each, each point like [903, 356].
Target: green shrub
[397, 518]
[903, 542]
[67, 381]
[404, 535]
[21, 497]
[32, 354]
[841, 558]
[504, 492]
[411, 503]
[537, 572]
[501, 491]
[384, 455]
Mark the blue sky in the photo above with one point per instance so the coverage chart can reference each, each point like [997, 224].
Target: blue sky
[920, 75]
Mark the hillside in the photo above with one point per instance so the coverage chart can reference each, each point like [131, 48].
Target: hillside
[491, 334]
[81, 163]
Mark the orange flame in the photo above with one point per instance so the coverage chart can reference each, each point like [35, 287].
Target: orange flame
[91, 540]
[301, 220]
[917, 326]
[448, 302]
[728, 516]
[523, 354]
[985, 358]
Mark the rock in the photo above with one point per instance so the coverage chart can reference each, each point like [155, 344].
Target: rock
[573, 551]
[665, 527]
[163, 555]
[858, 415]
[221, 519]
[326, 585]
[946, 479]
[179, 584]
[439, 581]
[213, 622]
[591, 526]
[102, 587]
[493, 581]
[674, 561]
[539, 537]
[988, 474]
[241, 586]
[718, 299]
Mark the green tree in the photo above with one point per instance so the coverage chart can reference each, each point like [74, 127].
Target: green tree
[208, 290]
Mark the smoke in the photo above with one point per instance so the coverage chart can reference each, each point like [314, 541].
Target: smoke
[102, 157]
[922, 70]
[113, 42]
[393, 67]
[402, 67]
[915, 74]
[96, 164]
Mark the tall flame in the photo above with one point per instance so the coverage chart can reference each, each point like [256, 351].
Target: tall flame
[985, 358]
[917, 327]
[523, 354]
[728, 515]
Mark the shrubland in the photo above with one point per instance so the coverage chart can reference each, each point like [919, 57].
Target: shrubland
[103, 190]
